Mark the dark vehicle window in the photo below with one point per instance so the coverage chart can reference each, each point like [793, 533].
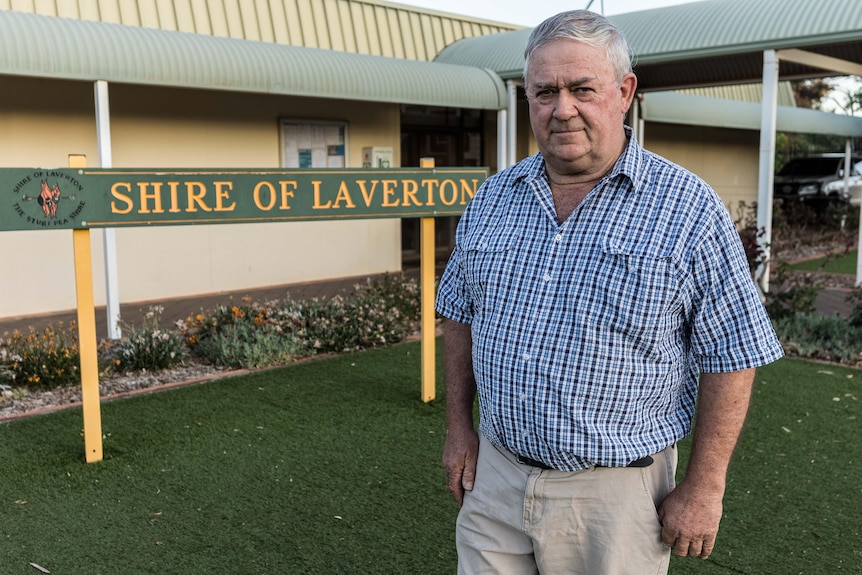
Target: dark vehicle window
[811, 167]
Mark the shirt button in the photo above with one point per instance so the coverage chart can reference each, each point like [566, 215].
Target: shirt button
[526, 357]
[547, 277]
[558, 238]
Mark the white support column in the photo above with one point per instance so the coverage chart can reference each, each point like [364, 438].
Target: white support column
[512, 133]
[502, 146]
[766, 178]
[103, 135]
[848, 167]
[637, 122]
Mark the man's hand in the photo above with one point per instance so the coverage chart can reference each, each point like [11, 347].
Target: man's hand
[459, 461]
[690, 514]
[462, 442]
[689, 520]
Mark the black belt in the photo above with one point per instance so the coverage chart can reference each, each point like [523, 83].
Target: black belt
[642, 462]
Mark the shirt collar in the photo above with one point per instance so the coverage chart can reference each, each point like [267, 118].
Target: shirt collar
[630, 164]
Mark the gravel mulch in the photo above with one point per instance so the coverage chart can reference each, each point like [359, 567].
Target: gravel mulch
[16, 403]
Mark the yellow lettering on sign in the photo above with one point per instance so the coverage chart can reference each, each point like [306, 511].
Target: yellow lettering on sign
[175, 203]
[389, 191]
[343, 196]
[271, 196]
[117, 192]
[367, 194]
[468, 190]
[155, 196]
[222, 192]
[444, 185]
[317, 204]
[410, 190]
[286, 193]
[196, 192]
[429, 186]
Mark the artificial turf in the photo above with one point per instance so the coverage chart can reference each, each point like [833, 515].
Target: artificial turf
[333, 466]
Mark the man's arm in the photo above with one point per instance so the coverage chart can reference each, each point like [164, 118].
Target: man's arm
[462, 442]
[690, 514]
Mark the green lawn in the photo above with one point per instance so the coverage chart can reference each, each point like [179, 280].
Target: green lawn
[840, 264]
[332, 466]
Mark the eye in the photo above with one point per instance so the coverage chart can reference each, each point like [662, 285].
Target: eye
[544, 94]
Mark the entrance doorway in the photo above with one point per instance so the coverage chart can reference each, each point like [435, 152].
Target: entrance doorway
[453, 137]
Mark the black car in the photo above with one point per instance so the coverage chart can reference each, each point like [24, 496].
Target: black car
[805, 179]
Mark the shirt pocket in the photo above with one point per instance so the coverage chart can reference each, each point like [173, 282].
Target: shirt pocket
[638, 294]
[489, 264]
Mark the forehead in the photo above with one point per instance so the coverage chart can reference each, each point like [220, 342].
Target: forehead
[561, 61]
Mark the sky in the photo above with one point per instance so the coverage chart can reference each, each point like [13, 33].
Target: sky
[531, 12]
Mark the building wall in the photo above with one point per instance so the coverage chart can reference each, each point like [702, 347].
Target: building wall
[43, 121]
[726, 159]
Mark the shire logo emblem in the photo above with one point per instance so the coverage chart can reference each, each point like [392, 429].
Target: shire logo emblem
[52, 206]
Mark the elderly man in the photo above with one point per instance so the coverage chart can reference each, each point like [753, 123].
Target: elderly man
[596, 291]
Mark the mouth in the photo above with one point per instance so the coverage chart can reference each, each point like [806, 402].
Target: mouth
[564, 130]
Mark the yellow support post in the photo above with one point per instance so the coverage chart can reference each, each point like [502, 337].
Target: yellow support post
[427, 266]
[87, 341]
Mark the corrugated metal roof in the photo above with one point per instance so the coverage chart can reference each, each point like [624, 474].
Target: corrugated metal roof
[703, 43]
[371, 27]
[46, 46]
[503, 53]
[721, 27]
[677, 108]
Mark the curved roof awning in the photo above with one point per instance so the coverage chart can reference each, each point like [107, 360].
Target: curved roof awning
[686, 109]
[47, 46]
[703, 43]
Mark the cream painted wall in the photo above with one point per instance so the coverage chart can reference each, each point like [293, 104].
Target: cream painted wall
[726, 159]
[42, 121]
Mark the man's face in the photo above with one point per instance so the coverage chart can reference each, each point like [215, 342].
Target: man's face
[577, 107]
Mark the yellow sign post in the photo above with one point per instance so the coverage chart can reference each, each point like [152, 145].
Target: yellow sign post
[427, 266]
[87, 341]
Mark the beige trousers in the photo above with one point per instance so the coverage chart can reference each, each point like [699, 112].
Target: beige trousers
[522, 520]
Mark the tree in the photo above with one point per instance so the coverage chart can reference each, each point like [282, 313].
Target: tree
[846, 94]
[841, 95]
[810, 93]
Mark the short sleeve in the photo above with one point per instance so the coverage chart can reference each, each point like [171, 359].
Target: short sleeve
[731, 330]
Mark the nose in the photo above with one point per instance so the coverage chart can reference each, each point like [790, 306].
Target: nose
[566, 106]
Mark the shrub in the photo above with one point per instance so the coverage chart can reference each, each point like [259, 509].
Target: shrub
[750, 235]
[245, 345]
[820, 337]
[400, 292]
[855, 298]
[244, 335]
[790, 294]
[380, 312]
[148, 348]
[41, 360]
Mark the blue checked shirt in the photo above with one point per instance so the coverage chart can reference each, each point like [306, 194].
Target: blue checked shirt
[589, 336]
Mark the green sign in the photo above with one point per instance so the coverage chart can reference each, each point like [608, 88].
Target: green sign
[66, 198]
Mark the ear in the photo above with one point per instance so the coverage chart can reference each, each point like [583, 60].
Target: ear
[628, 87]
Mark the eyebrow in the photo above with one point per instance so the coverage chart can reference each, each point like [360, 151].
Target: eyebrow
[574, 83]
